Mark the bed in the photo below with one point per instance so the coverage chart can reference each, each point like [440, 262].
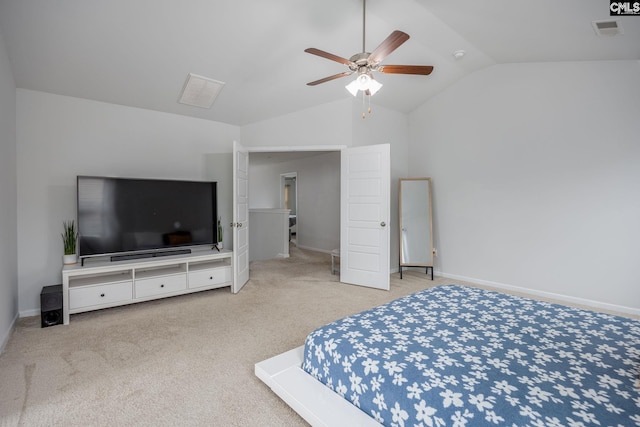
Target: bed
[463, 356]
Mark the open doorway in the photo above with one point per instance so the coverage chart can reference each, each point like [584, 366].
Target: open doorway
[315, 199]
[289, 200]
[364, 173]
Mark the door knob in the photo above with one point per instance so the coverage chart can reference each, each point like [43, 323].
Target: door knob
[382, 224]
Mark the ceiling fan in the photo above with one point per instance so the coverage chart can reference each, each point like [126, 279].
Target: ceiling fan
[365, 63]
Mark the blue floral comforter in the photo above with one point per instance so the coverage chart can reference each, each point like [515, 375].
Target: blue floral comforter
[460, 356]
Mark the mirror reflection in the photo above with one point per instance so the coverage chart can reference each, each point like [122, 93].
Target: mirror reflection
[416, 237]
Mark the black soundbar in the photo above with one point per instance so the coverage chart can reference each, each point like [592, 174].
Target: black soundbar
[150, 254]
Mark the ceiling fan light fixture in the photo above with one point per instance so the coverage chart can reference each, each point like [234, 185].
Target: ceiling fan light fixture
[364, 63]
[374, 86]
[363, 82]
[353, 87]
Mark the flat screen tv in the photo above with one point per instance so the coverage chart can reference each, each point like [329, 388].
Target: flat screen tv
[129, 217]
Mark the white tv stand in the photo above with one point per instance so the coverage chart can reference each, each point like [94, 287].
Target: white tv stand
[102, 283]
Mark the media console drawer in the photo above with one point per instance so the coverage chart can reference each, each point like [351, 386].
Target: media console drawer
[209, 277]
[98, 295]
[160, 285]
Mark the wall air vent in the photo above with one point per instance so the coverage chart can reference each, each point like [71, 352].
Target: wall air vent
[607, 28]
[200, 91]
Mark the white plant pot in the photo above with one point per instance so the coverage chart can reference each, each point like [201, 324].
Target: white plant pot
[69, 259]
[219, 245]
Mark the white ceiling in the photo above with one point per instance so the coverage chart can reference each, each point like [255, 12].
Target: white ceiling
[139, 53]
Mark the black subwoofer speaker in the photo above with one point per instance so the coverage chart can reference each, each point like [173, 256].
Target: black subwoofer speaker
[51, 306]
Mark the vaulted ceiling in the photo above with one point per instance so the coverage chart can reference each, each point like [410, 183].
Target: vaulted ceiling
[139, 52]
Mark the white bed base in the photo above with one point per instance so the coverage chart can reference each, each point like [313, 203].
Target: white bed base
[312, 400]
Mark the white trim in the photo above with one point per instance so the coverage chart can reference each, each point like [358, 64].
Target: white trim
[283, 178]
[312, 400]
[270, 211]
[549, 295]
[295, 148]
[7, 335]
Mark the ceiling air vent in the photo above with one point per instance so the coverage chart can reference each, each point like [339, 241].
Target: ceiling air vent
[607, 28]
[200, 91]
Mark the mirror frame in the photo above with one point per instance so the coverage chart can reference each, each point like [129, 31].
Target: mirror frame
[429, 264]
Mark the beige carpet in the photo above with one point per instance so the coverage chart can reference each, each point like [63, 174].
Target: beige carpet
[187, 360]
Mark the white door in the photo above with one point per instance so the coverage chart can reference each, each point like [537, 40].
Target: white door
[240, 222]
[364, 216]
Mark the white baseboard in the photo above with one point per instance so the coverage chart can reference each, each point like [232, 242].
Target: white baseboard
[30, 313]
[8, 332]
[549, 295]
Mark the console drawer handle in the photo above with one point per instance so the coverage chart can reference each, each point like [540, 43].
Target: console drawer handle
[102, 295]
[162, 285]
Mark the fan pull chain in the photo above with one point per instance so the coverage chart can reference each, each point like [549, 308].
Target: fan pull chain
[364, 109]
[363, 114]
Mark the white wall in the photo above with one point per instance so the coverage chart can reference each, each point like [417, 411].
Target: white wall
[264, 183]
[327, 124]
[60, 137]
[318, 185]
[219, 168]
[268, 234]
[536, 178]
[8, 197]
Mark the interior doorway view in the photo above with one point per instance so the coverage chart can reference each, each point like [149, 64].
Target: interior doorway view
[341, 201]
[307, 184]
[289, 200]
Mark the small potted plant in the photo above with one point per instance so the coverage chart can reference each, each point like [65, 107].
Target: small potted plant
[69, 240]
[220, 232]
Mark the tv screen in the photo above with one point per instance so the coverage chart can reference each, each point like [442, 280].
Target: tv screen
[124, 215]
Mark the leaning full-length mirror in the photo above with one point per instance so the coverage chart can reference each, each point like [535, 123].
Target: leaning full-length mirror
[416, 236]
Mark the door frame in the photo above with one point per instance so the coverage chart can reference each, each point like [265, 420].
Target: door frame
[294, 149]
[286, 149]
[283, 178]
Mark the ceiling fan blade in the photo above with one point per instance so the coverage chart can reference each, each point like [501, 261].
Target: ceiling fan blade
[327, 55]
[326, 79]
[424, 70]
[390, 44]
